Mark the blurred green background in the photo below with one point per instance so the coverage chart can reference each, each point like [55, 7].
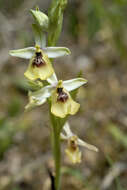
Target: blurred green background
[96, 33]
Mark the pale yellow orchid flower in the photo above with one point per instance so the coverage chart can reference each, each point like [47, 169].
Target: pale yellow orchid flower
[73, 142]
[61, 102]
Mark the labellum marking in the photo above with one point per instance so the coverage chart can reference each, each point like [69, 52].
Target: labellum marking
[62, 96]
[38, 60]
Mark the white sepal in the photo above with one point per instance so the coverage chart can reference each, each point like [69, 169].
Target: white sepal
[25, 53]
[39, 97]
[42, 93]
[72, 84]
[54, 52]
[33, 102]
[67, 130]
[86, 145]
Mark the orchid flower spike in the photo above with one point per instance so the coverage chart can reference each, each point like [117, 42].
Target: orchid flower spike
[73, 142]
[40, 66]
[62, 103]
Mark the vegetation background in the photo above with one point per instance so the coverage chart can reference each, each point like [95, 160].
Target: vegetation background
[96, 33]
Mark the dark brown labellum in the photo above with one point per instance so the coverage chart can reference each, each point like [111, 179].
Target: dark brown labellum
[73, 145]
[38, 60]
[62, 96]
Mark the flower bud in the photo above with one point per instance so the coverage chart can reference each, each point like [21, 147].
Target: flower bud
[41, 18]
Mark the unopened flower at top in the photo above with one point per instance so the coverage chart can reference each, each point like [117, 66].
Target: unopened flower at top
[40, 66]
[62, 103]
[73, 142]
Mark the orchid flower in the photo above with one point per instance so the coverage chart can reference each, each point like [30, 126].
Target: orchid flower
[72, 150]
[40, 66]
[62, 103]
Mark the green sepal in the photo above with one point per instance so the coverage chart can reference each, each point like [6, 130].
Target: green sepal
[40, 36]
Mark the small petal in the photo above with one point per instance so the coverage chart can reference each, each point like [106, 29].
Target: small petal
[40, 37]
[25, 53]
[41, 18]
[42, 72]
[54, 52]
[72, 84]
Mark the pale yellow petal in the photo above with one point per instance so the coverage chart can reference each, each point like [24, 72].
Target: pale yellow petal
[62, 109]
[43, 72]
[74, 107]
[30, 74]
[74, 156]
[59, 109]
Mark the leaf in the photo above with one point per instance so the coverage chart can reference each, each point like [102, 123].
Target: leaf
[118, 135]
[55, 20]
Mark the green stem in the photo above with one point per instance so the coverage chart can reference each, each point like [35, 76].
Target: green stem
[57, 156]
[57, 124]
[56, 19]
